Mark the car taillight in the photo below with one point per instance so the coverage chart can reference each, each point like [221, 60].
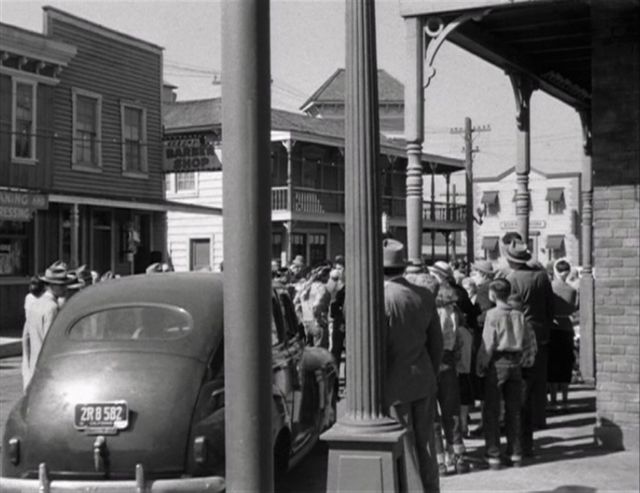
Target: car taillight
[200, 450]
[14, 450]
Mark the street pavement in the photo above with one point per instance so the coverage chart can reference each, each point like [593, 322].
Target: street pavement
[568, 459]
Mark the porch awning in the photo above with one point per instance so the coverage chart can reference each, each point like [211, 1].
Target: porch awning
[490, 242]
[489, 198]
[555, 194]
[555, 242]
[144, 205]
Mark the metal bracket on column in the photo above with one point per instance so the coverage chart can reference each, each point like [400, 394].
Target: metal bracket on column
[523, 86]
[437, 32]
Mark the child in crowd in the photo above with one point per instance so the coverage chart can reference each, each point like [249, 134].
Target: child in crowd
[507, 345]
[450, 458]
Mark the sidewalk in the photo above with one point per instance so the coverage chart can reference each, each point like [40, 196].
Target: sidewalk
[567, 461]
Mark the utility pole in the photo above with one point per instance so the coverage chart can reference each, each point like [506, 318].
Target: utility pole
[468, 132]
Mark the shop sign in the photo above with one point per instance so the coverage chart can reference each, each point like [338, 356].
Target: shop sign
[533, 224]
[19, 206]
[190, 154]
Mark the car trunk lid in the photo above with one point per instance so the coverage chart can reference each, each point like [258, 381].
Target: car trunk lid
[159, 389]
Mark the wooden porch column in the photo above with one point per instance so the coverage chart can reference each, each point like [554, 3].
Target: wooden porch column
[523, 86]
[246, 120]
[587, 298]
[414, 135]
[447, 178]
[365, 445]
[75, 236]
[288, 145]
[432, 213]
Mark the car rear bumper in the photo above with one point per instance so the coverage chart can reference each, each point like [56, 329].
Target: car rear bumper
[139, 485]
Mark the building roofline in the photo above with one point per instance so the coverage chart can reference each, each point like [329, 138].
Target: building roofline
[51, 13]
[512, 169]
[35, 45]
[320, 90]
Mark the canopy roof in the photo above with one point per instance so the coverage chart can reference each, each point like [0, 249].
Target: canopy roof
[548, 40]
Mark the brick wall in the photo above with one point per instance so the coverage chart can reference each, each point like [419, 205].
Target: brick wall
[616, 164]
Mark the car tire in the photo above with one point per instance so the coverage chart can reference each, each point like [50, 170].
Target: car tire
[281, 455]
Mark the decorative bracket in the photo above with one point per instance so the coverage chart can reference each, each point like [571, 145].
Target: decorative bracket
[437, 32]
[523, 86]
[585, 120]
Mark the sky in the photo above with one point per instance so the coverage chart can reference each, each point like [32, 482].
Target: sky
[308, 45]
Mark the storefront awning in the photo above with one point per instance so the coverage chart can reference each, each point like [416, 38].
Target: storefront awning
[489, 198]
[490, 243]
[555, 194]
[555, 242]
[142, 205]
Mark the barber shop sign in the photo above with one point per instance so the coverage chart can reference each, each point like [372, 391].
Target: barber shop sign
[190, 153]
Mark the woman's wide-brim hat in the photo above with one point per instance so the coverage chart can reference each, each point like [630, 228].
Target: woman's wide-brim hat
[517, 252]
[392, 254]
[58, 274]
[442, 269]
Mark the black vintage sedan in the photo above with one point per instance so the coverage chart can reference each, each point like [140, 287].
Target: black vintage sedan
[128, 393]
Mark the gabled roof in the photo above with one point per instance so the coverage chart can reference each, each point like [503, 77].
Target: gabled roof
[332, 90]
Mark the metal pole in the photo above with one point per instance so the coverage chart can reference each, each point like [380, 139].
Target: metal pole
[247, 223]
[414, 134]
[468, 161]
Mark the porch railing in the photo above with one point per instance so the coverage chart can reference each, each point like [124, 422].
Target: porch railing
[314, 201]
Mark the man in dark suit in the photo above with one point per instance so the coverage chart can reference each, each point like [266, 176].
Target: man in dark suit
[414, 350]
[533, 288]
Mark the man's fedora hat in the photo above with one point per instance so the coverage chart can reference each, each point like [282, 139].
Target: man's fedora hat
[57, 273]
[81, 277]
[392, 254]
[483, 266]
[298, 260]
[517, 252]
[442, 269]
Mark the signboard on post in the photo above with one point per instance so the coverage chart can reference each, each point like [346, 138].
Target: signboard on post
[190, 153]
[19, 206]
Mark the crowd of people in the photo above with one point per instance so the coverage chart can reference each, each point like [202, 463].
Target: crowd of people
[499, 336]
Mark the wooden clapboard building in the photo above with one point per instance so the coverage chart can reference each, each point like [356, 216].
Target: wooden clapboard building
[307, 177]
[81, 175]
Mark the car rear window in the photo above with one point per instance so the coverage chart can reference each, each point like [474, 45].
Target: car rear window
[147, 322]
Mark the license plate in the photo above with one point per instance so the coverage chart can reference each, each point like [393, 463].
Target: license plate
[102, 416]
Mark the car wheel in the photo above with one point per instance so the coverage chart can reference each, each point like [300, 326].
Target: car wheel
[281, 455]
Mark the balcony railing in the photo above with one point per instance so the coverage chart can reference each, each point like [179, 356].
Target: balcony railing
[313, 201]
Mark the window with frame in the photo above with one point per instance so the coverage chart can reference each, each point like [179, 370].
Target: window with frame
[490, 245]
[87, 111]
[555, 199]
[14, 248]
[491, 202]
[134, 153]
[23, 143]
[185, 182]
